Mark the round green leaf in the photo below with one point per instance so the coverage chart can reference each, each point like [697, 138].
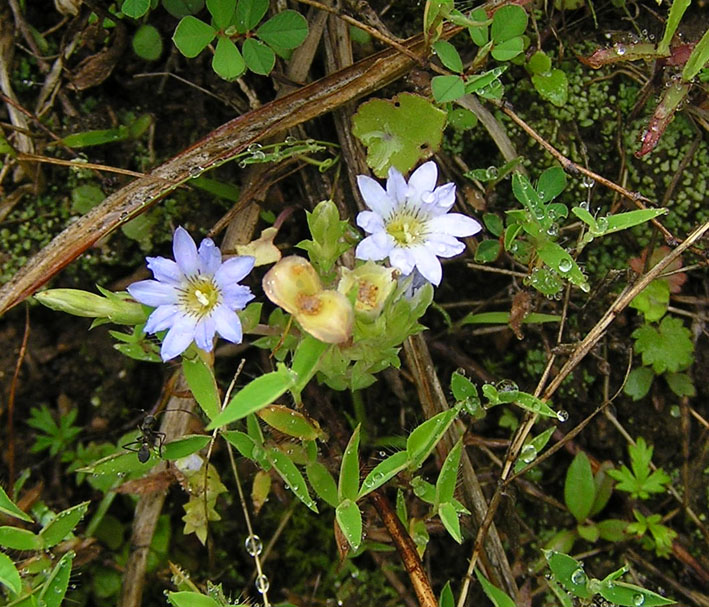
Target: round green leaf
[135, 8]
[487, 251]
[259, 58]
[509, 49]
[639, 382]
[182, 8]
[192, 36]
[227, 61]
[398, 132]
[539, 63]
[508, 22]
[249, 13]
[447, 88]
[222, 11]
[461, 119]
[552, 86]
[448, 55]
[147, 43]
[285, 30]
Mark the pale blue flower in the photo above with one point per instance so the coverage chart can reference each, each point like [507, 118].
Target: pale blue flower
[409, 222]
[194, 296]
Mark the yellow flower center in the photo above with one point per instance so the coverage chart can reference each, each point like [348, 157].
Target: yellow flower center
[200, 296]
[407, 227]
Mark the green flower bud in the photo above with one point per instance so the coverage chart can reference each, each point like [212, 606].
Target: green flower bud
[113, 307]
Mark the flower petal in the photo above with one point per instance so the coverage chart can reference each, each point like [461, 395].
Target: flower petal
[179, 337]
[234, 269]
[153, 293]
[210, 257]
[164, 270]
[370, 221]
[402, 259]
[185, 251]
[375, 247]
[427, 263]
[422, 180]
[444, 198]
[396, 186]
[374, 195]
[236, 296]
[444, 245]
[228, 324]
[163, 317]
[204, 333]
[455, 224]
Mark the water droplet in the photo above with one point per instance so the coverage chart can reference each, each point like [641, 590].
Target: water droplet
[620, 49]
[262, 584]
[253, 545]
[602, 223]
[565, 264]
[243, 164]
[258, 155]
[507, 385]
[675, 411]
[254, 147]
[587, 182]
[585, 205]
[492, 172]
[196, 171]
[528, 454]
[578, 577]
[638, 599]
[290, 140]
[562, 415]
[553, 230]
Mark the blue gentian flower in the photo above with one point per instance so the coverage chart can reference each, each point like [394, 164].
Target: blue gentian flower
[409, 222]
[194, 296]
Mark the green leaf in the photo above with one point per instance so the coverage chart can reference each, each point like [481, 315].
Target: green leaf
[63, 524]
[630, 595]
[498, 597]
[290, 422]
[604, 488]
[477, 83]
[681, 384]
[425, 437]
[222, 11]
[322, 482]
[227, 61]
[20, 539]
[503, 318]
[552, 86]
[227, 191]
[249, 13]
[242, 441]
[552, 182]
[569, 572]
[508, 22]
[182, 447]
[446, 599]
[291, 476]
[398, 132]
[698, 59]
[509, 49]
[623, 221]
[255, 395]
[384, 471]
[539, 63]
[449, 517]
[462, 388]
[349, 518]
[557, 258]
[612, 530]
[447, 88]
[56, 585]
[480, 34]
[639, 382]
[182, 8]
[203, 385]
[9, 575]
[579, 488]
[259, 58]
[449, 56]
[286, 30]
[677, 10]
[448, 476]
[192, 36]
[7, 506]
[494, 223]
[461, 119]
[191, 599]
[147, 42]
[135, 8]
[590, 532]
[668, 348]
[653, 300]
[305, 361]
[119, 465]
[348, 486]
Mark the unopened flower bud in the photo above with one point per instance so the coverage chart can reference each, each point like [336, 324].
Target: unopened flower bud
[371, 285]
[113, 308]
